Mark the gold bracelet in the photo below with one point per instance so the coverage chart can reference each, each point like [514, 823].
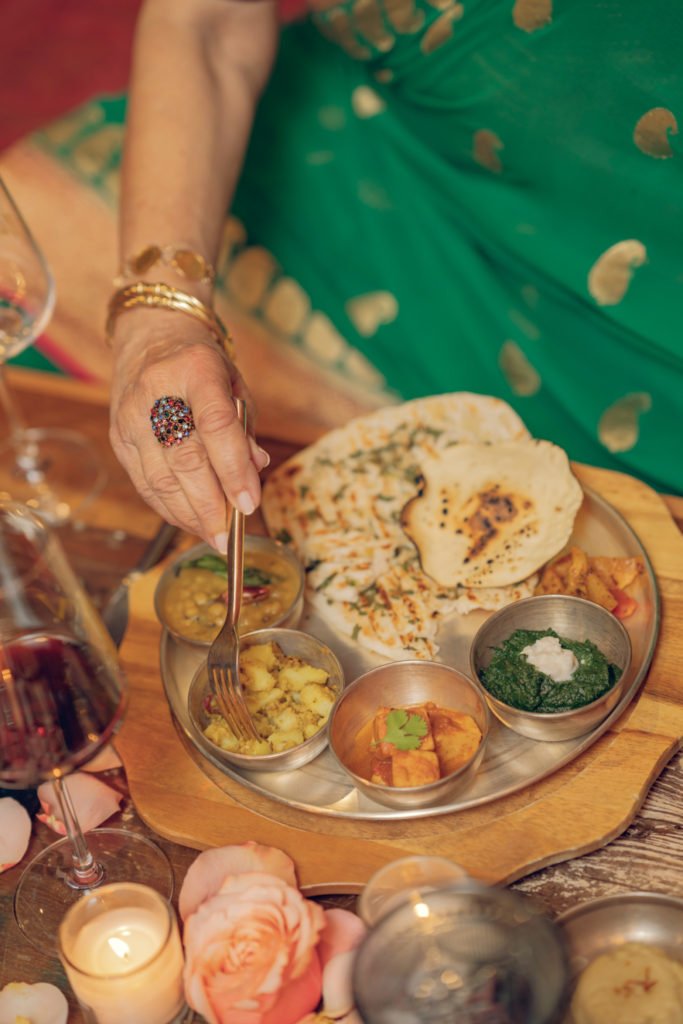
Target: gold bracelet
[185, 261]
[164, 296]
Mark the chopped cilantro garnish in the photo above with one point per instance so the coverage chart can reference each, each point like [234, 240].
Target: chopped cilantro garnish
[404, 730]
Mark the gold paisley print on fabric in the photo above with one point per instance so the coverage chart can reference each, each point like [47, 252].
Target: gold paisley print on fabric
[619, 427]
[323, 340]
[522, 377]
[369, 23]
[530, 15]
[610, 276]
[366, 102]
[338, 28]
[485, 148]
[652, 132]
[250, 275]
[440, 31]
[369, 312]
[287, 306]
[403, 16]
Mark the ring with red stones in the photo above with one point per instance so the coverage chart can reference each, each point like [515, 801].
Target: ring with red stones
[171, 419]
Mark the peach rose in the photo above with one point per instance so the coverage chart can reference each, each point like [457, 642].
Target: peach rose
[250, 946]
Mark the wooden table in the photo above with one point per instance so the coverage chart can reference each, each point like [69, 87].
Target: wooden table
[110, 539]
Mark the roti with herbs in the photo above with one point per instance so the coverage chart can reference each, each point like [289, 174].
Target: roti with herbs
[340, 504]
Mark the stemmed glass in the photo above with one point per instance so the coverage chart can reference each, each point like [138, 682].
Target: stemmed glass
[62, 697]
[53, 471]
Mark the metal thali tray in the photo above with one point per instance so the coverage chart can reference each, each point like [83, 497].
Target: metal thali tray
[511, 763]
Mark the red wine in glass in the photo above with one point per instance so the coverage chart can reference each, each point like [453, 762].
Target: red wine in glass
[62, 697]
[57, 706]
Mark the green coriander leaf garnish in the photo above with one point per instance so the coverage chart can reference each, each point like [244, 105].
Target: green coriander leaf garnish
[404, 730]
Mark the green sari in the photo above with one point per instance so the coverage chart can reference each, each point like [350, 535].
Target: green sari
[482, 196]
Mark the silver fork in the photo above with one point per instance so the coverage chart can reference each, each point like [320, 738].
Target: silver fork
[223, 658]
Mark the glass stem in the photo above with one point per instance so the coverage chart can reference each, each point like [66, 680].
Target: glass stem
[14, 419]
[27, 451]
[85, 872]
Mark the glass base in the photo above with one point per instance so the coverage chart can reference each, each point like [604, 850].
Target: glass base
[55, 472]
[46, 889]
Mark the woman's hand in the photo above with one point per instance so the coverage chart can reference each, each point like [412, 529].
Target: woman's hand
[158, 354]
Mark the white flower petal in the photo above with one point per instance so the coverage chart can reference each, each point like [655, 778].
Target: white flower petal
[15, 832]
[93, 802]
[39, 1004]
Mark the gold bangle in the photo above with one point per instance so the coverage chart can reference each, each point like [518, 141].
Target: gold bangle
[185, 261]
[163, 296]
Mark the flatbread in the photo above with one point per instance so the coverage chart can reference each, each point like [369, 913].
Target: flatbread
[490, 515]
[339, 504]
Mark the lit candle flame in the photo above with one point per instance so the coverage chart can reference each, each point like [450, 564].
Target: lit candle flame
[119, 947]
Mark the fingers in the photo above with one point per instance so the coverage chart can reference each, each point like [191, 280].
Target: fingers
[228, 449]
[188, 483]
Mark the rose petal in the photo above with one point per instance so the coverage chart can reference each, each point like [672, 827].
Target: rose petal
[337, 987]
[15, 832]
[93, 802]
[104, 761]
[343, 931]
[207, 873]
[40, 1004]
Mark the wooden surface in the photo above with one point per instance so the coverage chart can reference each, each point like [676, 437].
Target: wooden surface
[646, 856]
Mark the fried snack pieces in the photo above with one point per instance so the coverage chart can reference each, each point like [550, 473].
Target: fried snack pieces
[597, 578]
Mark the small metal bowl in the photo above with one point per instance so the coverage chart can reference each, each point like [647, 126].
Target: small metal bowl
[402, 684]
[601, 925]
[288, 619]
[298, 645]
[570, 617]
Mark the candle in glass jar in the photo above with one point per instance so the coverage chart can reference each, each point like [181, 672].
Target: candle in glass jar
[122, 954]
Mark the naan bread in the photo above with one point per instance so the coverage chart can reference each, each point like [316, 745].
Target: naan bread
[339, 504]
[490, 515]
[633, 984]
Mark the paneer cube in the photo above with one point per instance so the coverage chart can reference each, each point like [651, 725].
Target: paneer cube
[456, 736]
[414, 767]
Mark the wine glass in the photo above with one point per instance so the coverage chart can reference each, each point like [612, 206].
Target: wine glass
[62, 697]
[54, 471]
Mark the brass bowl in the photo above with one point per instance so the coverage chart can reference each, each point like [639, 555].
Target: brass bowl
[570, 617]
[288, 619]
[401, 684]
[298, 645]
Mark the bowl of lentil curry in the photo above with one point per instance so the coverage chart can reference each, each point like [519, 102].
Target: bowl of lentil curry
[189, 599]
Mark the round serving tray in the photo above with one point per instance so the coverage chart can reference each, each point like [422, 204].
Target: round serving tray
[512, 762]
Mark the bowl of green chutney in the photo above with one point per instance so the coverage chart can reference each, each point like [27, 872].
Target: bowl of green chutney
[552, 666]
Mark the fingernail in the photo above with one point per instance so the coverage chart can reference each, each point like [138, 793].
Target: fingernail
[220, 542]
[265, 455]
[245, 503]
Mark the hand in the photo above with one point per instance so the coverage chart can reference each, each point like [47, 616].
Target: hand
[157, 354]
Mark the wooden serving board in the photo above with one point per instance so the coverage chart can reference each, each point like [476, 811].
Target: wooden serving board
[579, 808]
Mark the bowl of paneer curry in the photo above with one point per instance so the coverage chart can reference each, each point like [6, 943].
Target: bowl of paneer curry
[410, 733]
[190, 597]
[290, 681]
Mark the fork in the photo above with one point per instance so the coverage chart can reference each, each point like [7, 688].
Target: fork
[223, 658]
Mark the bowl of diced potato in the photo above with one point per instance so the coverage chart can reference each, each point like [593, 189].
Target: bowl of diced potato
[290, 682]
